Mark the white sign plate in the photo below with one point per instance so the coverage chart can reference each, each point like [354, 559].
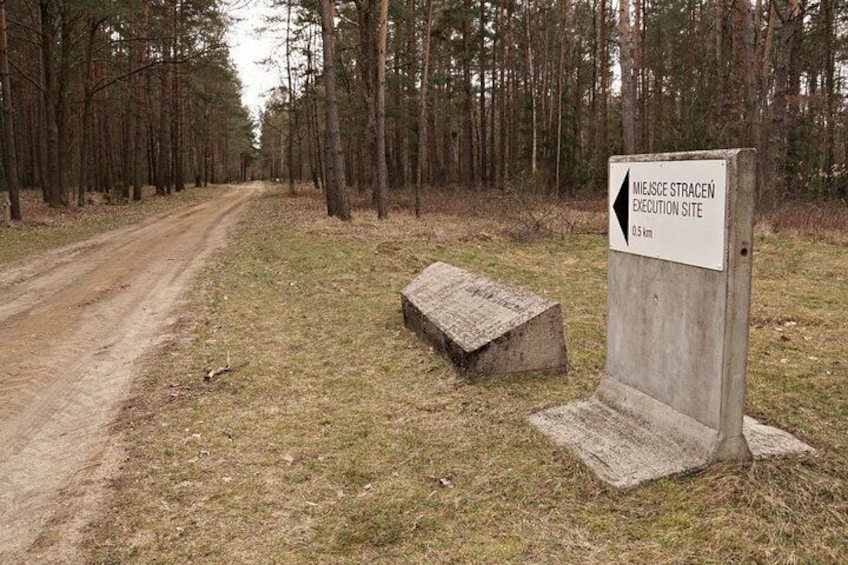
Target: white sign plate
[670, 210]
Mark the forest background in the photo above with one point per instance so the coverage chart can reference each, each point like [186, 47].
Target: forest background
[526, 96]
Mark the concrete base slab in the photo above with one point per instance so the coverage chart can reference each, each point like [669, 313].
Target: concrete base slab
[626, 451]
[620, 449]
[765, 441]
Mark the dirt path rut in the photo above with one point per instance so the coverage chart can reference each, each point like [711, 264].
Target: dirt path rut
[73, 325]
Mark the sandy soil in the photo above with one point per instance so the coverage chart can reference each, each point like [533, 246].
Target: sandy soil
[74, 325]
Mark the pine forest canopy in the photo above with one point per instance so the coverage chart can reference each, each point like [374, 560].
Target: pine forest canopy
[109, 95]
[537, 94]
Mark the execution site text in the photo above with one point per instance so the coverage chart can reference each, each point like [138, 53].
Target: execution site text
[672, 198]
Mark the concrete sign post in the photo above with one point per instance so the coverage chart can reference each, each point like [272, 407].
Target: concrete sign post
[679, 287]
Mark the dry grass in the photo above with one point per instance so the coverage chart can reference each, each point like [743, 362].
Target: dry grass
[340, 438]
[818, 221]
[44, 228]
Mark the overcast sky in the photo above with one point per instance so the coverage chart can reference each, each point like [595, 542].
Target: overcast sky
[249, 46]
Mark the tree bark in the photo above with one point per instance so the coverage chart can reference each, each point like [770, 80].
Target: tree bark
[130, 127]
[497, 62]
[337, 201]
[382, 171]
[467, 101]
[531, 69]
[139, 106]
[504, 156]
[63, 109]
[163, 162]
[50, 97]
[10, 159]
[639, 72]
[368, 75]
[601, 140]
[291, 108]
[409, 92]
[312, 123]
[767, 185]
[85, 122]
[484, 167]
[830, 100]
[559, 100]
[177, 115]
[625, 38]
[422, 107]
[746, 70]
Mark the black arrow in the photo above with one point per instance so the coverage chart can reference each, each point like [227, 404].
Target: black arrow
[621, 206]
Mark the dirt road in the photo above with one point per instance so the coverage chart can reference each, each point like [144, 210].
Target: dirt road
[73, 326]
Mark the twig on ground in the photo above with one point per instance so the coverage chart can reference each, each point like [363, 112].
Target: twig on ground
[220, 370]
[215, 372]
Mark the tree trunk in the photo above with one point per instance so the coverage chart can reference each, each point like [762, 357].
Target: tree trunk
[139, 106]
[337, 202]
[317, 165]
[382, 171]
[10, 159]
[746, 71]
[177, 117]
[368, 75]
[559, 101]
[64, 104]
[422, 108]
[531, 69]
[625, 38]
[484, 166]
[50, 96]
[641, 74]
[601, 141]
[291, 109]
[719, 92]
[130, 126]
[767, 185]
[85, 123]
[163, 161]
[829, 187]
[506, 61]
[409, 92]
[794, 119]
[497, 62]
[467, 101]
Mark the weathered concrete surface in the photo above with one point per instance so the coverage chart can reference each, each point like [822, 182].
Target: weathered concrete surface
[673, 397]
[767, 441]
[626, 449]
[622, 448]
[679, 333]
[484, 327]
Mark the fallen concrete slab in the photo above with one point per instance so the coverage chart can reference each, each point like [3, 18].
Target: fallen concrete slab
[484, 327]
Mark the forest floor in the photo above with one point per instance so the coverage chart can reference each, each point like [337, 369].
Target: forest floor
[75, 324]
[338, 437]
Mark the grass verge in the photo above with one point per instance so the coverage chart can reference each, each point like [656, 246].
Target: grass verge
[340, 438]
